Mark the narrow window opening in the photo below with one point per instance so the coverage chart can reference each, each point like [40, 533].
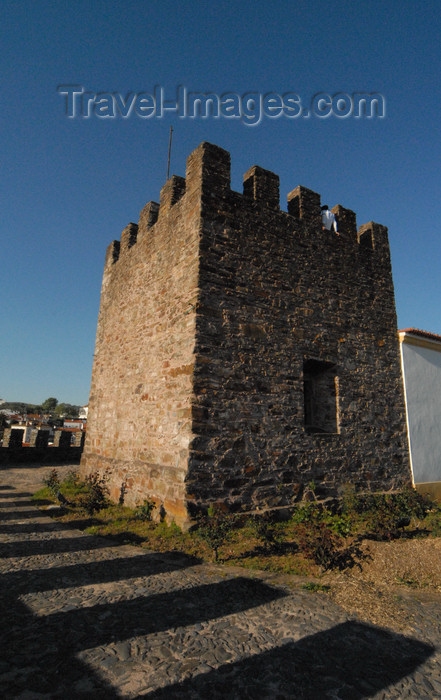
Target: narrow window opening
[320, 391]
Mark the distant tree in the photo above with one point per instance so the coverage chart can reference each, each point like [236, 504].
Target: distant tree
[15, 406]
[33, 408]
[49, 405]
[67, 410]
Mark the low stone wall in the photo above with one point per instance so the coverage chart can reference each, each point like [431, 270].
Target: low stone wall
[42, 456]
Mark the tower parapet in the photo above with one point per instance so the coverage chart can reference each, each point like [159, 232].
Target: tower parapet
[172, 191]
[262, 186]
[304, 204]
[148, 217]
[374, 236]
[347, 221]
[129, 236]
[208, 172]
[112, 254]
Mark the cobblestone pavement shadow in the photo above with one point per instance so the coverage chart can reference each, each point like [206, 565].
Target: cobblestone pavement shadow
[351, 660]
[85, 618]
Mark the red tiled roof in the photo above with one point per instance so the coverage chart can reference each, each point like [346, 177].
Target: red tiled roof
[422, 334]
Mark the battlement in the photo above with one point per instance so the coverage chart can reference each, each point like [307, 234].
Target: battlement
[208, 174]
[66, 449]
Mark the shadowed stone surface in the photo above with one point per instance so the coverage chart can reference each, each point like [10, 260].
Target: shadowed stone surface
[83, 618]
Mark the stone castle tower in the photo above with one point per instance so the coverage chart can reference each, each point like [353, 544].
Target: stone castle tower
[242, 351]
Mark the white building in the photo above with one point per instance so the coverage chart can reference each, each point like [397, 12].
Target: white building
[421, 364]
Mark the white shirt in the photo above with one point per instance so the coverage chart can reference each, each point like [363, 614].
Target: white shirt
[328, 220]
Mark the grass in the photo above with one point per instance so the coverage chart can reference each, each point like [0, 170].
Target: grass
[316, 587]
[315, 539]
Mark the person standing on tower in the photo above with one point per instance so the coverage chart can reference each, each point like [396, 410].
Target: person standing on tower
[329, 222]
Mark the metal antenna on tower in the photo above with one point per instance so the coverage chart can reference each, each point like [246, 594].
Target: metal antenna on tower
[169, 151]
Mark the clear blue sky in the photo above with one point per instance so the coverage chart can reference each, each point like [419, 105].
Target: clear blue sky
[70, 185]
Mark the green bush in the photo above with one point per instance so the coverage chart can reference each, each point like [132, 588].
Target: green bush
[53, 482]
[144, 511]
[319, 533]
[313, 513]
[385, 515]
[341, 524]
[72, 480]
[215, 527]
[308, 513]
[317, 541]
[269, 533]
[433, 521]
[409, 502]
[95, 494]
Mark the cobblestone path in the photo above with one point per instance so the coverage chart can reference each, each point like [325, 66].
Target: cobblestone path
[81, 618]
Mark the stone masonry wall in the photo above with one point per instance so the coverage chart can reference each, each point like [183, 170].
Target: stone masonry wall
[279, 296]
[242, 351]
[139, 421]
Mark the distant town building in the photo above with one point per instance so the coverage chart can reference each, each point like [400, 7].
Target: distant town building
[75, 424]
[29, 423]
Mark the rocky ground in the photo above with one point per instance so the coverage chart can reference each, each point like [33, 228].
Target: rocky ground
[85, 618]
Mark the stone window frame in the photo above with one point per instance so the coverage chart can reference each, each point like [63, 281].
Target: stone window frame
[321, 392]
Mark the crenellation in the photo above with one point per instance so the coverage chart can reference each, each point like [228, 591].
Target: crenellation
[374, 237]
[148, 217]
[171, 193]
[262, 186]
[304, 204]
[79, 437]
[366, 236]
[39, 438]
[346, 221]
[129, 236]
[38, 450]
[12, 438]
[208, 170]
[62, 438]
[112, 253]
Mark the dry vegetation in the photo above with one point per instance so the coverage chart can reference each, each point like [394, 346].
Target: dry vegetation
[370, 554]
